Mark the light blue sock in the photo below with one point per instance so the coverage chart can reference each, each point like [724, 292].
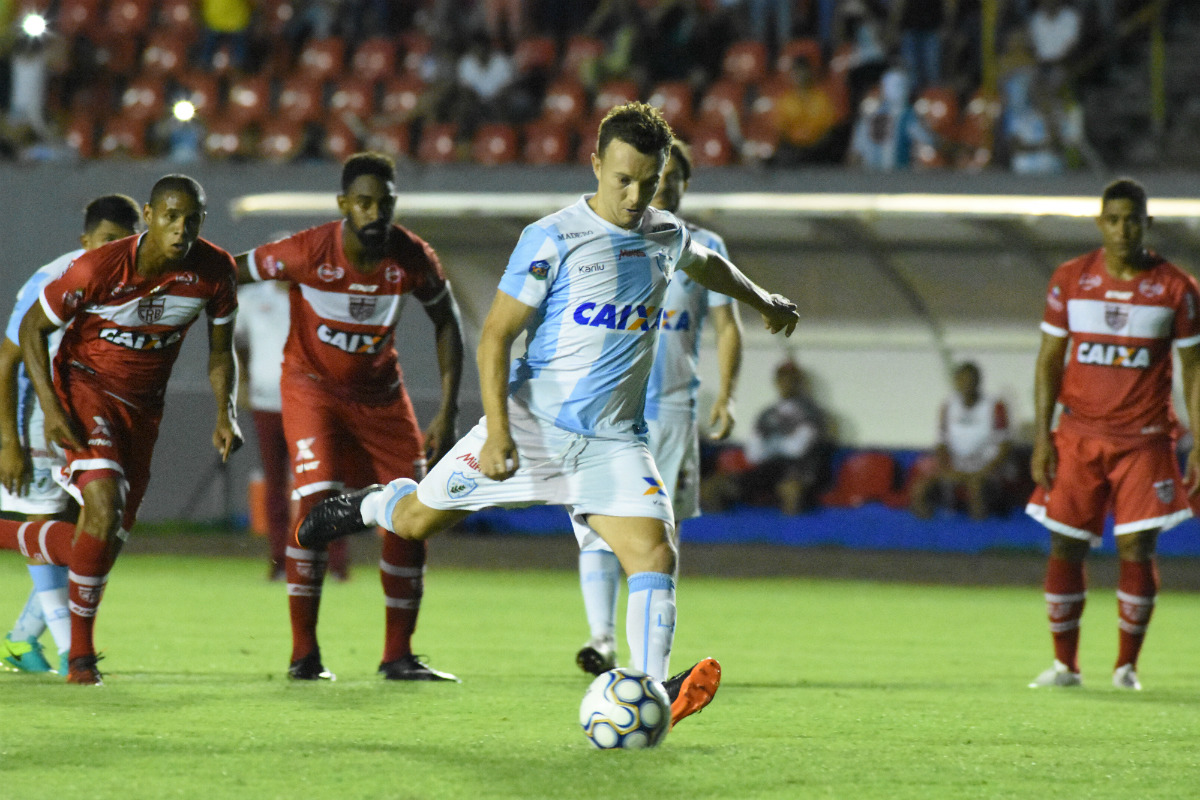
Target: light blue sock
[29, 624]
[599, 578]
[377, 507]
[50, 583]
[650, 622]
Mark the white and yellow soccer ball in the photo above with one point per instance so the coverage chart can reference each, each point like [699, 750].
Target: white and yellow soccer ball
[625, 709]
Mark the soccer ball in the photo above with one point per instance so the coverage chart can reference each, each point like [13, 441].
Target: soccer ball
[625, 708]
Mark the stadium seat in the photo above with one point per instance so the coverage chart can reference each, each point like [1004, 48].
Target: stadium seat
[864, 477]
[144, 99]
[180, 16]
[614, 93]
[745, 62]
[123, 136]
[579, 49]
[732, 460]
[760, 137]
[722, 99]
[937, 108]
[80, 133]
[400, 95]
[495, 144]
[922, 467]
[301, 100]
[339, 141]
[763, 108]
[711, 147]
[249, 99]
[202, 89]
[535, 53]
[806, 48]
[415, 46]
[321, 59]
[546, 143]
[439, 143]
[78, 17]
[276, 16]
[674, 100]
[227, 138]
[352, 96]
[977, 130]
[118, 54]
[374, 59]
[395, 140]
[165, 53]
[565, 102]
[281, 140]
[128, 17]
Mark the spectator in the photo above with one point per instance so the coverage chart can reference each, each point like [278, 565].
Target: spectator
[226, 24]
[886, 127]
[762, 13]
[1043, 129]
[688, 43]
[789, 451]
[484, 74]
[972, 452]
[916, 25]
[806, 118]
[1055, 28]
[860, 53]
[621, 25]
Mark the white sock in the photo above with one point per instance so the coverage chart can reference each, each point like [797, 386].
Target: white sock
[29, 624]
[650, 622]
[599, 573]
[51, 587]
[377, 507]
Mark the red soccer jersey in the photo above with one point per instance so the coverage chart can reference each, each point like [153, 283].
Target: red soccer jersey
[1118, 372]
[343, 320]
[126, 329]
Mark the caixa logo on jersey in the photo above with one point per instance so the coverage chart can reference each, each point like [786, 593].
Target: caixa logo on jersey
[1112, 355]
[636, 318]
[350, 342]
[150, 309]
[134, 340]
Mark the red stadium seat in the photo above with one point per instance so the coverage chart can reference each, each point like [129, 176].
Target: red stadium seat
[395, 140]
[203, 90]
[977, 130]
[227, 138]
[722, 99]
[806, 48]
[281, 140]
[353, 96]
[301, 100]
[760, 137]
[118, 54]
[614, 93]
[400, 95]
[937, 107]
[674, 100]
[276, 16]
[924, 466]
[439, 143]
[165, 53]
[565, 102]
[123, 136]
[862, 478]
[745, 62]
[340, 141]
[249, 99]
[129, 17]
[374, 59]
[495, 144]
[711, 147]
[321, 59]
[80, 133]
[416, 47]
[546, 143]
[535, 53]
[181, 16]
[731, 460]
[766, 100]
[579, 49]
[144, 99]
[78, 17]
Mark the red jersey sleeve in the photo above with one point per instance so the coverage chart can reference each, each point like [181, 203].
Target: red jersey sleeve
[222, 307]
[76, 287]
[280, 260]
[1054, 318]
[1187, 312]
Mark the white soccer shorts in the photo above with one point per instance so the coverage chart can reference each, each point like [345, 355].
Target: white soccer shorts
[42, 495]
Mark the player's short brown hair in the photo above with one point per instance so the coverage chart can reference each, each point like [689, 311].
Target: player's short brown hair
[1125, 189]
[377, 164]
[639, 125]
[119, 209]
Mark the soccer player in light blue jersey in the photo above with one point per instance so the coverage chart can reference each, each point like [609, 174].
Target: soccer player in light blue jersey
[671, 413]
[564, 422]
[27, 462]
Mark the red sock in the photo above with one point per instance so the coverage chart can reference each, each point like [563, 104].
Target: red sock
[402, 572]
[339, 558]
[1066, 593]
[91, 561]
[1137, 586]
[50, 540]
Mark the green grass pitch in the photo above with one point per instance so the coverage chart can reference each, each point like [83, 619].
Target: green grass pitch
[832, 689]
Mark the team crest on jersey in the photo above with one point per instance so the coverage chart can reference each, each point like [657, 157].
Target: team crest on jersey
[1090, 281]
[459, 485]
[150, 309]
[362, 308]
[393, 273]
[329, 273]
[1116, 317]
[539, 269]
[1165, 490]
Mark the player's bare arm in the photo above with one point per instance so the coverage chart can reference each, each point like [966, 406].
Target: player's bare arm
[1047, 382]
[442, 432]
[507, 318]
[1189, 360]
[728, 325]
[222, 375]
[714, 271]
[243, 268]
[14, 457]
[36, 327]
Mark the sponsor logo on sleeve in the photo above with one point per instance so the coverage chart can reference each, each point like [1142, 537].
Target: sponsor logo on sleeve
[539, 269]
[1054, 298]
[271, 267]
[1088, 281]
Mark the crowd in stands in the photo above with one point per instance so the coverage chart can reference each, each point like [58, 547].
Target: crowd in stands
[878, 84]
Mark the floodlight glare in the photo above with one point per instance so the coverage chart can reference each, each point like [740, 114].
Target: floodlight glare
[33, 25]
[184, 110]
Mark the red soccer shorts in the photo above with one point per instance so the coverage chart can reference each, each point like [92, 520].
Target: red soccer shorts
[117, 436]
[1138, 478]
[336, 444]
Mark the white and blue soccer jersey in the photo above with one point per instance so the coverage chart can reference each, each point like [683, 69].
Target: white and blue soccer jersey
[26, 297]
[674, 379]
[598, 290]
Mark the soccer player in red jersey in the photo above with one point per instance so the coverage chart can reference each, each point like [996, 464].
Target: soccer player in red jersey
[348, 420]
[1111, 319]
[125, 308]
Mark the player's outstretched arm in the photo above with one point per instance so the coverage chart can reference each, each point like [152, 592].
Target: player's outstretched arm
[728, 325]
[14, 457]
[222, 375]
[35, 352]
[242, 260]
[506, 319]
[1047, 382]
[713, 271]
[1189, 360]
[442, 433]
